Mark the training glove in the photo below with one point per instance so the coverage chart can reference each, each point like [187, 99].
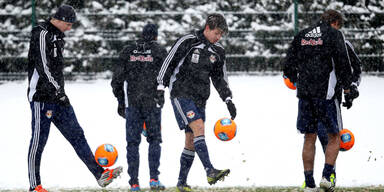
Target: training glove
[350, 96]
[62, 99]
[231, 108]
[159, 99]
[121, 109]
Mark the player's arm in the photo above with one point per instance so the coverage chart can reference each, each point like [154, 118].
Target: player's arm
[220, 82]
[161, 54]
[342, 64]
[220, 79]
[41, 48]
[291, 61]
[178, 51]
[355, 63]
[118, 76]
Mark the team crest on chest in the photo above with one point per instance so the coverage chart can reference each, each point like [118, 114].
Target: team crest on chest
[48, 114]
[190, 114]
[212, 58]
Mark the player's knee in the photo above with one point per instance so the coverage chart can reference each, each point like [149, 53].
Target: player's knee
[76, 135]
[133, 144]
[198, 129]
[333, 137]
[131, 141]
[310, 137]
[154, 140]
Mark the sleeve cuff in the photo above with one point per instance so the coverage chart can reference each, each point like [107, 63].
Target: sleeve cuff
[160, 87]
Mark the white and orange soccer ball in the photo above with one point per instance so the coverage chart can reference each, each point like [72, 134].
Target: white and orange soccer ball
[225, 129]
[106, 155]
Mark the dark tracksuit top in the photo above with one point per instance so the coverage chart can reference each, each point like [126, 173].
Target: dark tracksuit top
[134, 78]
[45, 63]
[318, 62]
[189, 66]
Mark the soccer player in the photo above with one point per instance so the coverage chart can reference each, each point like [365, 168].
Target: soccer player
[48, 100]
[318, 62]
[134, 85]
[192, 62]
[356, 79]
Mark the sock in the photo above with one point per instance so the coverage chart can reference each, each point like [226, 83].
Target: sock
[202, 151]
[186, 161]
[327, 171]
[309, 181]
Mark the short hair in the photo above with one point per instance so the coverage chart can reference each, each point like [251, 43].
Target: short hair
[217, 21]
[331, 16]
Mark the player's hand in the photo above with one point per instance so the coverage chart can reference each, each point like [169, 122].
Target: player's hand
[62, 99]
[121, 109]
[159, 99]
[231, 108]
[349, 95]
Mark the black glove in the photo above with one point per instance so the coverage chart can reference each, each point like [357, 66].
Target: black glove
[62, 99]
[231, 108]
[121, 109]
[159, 99]
[350, 96]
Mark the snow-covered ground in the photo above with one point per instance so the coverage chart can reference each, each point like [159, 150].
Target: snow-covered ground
[265, 152]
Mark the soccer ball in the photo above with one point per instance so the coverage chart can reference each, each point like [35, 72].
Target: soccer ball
[225, 129]
[347, 139]
[106, 155]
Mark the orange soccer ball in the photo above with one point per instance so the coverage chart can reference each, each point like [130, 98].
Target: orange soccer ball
[225, 129]
[289, 84]
[347, 140]
[106, 155]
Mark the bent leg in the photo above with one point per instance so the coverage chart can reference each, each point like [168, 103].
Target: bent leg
[200, 145]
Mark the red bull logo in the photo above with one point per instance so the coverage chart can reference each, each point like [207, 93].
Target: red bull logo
[48, 114]
[190, 114]
[141, 58]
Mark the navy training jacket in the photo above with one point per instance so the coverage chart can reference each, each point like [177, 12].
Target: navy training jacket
[189, 67]
[318, 61]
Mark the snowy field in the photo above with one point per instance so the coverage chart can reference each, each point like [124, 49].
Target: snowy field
[265, 152]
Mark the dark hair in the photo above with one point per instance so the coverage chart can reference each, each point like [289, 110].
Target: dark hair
[217, 21]
[331, 16]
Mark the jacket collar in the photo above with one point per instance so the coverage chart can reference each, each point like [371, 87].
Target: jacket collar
[202, 38]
